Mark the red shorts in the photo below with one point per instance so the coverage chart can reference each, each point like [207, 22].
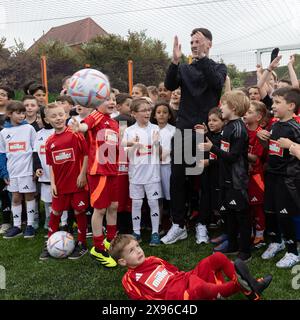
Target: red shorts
[78, 201]
[103, 190]
[123, 194]
[256, 189]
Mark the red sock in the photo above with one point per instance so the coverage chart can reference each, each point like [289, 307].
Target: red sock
[53, 224]
[98, 242]
[82, 225]
[111, 231]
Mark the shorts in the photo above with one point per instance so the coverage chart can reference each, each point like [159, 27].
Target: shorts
[124, 201]
[165, 173]
[22, 185]
[234, 200]
[78, 201]
[278, 198]
[46, 194]
[137, 191]
[256, 189]
[103, 190]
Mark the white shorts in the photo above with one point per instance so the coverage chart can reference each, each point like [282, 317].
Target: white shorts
[46, 194]
[165, 174]
[137, 191]
[22, 185]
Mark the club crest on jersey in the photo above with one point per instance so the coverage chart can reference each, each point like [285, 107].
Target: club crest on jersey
[17, 146]
[225, 146]
[123, 167]
[274, 148]
[62, 156]
[212, 156]
[158, 279]
[42, 149]
[110, 137]
[144, 150]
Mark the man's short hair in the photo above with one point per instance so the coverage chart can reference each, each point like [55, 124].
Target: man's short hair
[207, 34]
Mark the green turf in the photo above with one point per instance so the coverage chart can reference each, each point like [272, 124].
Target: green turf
[29, 278]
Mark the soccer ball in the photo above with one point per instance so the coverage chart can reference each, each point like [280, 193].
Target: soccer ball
[60, 244]
[89, 88]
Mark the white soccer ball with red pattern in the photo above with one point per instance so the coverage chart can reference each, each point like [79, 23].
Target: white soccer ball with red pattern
[89, 88]
[61, 244]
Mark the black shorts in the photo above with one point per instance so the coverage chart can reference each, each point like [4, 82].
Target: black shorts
[234, 200]
[281, 195]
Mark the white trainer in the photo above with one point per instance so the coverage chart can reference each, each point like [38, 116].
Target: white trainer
[4, 228]
[272, 250]
[288, 261]
[201, 234]
[174, 234]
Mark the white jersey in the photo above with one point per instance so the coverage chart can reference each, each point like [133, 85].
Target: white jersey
[17, 142]
[39, 147]
[166, 134]
[144, 164]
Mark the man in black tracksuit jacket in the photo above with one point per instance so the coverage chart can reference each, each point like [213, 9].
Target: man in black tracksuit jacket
[201, 84]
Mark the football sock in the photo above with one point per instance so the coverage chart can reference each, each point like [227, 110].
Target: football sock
[30, 206]
[98, 242]
[53, 223]
[136, 215]
[81, 224]
[48, 209]
[111, 231]
[17, 214]
[154, 214]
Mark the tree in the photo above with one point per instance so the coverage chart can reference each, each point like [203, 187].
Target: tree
[110, 55]
[237, 77]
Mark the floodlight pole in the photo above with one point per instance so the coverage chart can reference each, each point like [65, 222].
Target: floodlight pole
[130, 76]
[44, 75]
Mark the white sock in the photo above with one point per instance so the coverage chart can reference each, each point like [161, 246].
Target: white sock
[136, 215]
[30, 206]
[64, 218]
[17, 214]
[154, 213]
[48, 209]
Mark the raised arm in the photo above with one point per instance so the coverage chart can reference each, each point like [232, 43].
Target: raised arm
[172, 80]
[292, 73]
[266, 76]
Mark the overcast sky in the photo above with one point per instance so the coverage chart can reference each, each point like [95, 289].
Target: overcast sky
[238, 26]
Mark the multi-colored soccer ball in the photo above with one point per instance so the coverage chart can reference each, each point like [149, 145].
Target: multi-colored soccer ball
[89, 88]
[61, 244]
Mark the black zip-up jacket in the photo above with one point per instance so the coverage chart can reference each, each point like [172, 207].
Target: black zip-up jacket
[201, 85]
[233, 155]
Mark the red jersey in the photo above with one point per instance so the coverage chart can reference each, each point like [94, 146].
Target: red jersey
[153, 280]
[255, 148]
[103, 144]
[65, 152]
